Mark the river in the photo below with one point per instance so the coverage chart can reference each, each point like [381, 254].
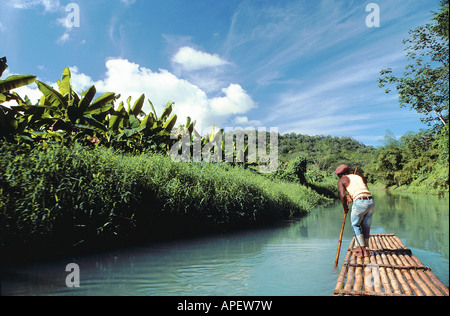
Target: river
[294, 258]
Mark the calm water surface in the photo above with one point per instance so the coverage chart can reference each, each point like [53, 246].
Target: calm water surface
[294, 258]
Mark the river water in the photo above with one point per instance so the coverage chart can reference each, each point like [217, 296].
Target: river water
[294, 258]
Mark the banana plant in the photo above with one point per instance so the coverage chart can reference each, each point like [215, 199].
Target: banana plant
[61, 115]
[11, 83]
[10, 124]
[67, 113]
[133, 132]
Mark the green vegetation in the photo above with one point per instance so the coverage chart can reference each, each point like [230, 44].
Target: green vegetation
[61, 196]
[417, 162]
[421, 160]
[78, 173]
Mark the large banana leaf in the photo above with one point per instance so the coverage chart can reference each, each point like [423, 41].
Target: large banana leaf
[148, 120]
[153, 109]
[167, 111]
[168, 126]
[64, 84]
[104, 100]
[137, 108]
[15, 81]
[116, 119]
[88, 97]
[95, 123]
[102, 104]
[52, 96]
[134, 122]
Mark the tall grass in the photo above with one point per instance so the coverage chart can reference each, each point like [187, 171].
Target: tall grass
[61, 197]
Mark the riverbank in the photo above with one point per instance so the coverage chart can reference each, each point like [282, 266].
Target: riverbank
[56, 199]
[419, 188]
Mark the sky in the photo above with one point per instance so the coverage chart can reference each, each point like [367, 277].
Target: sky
[302, 66]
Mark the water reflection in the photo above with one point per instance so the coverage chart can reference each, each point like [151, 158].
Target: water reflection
[420, 221]
[293, 258]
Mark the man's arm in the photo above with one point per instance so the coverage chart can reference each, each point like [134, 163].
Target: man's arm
[342, 184]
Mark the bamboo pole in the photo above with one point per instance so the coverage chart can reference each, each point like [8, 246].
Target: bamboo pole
[351, 274]
[420, 271]
[431, 275]
[423, 282]
[340, 241]
[358, 276]
[391, 243]
[435, 290]
[409, 279]
[364, 293]
[378, 243]
[438, 282]
[385, 277]
[368, 283]
[344, 270]
[376, 272]
[398, 275]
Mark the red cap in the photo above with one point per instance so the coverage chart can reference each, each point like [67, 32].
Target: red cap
[341, 169]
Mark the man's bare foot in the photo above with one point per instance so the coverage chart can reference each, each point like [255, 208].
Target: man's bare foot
[365, 252]
[360, 252]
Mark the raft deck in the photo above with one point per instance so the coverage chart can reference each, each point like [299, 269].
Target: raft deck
[391, 270]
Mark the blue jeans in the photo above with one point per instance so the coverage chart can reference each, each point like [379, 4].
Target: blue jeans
[361, 217]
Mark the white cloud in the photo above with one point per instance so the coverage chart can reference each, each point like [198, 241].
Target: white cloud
[2, 27]
[191, 59]
[235, 101]
[49, 5]
[130, 79]
[244, 122]
[63, 39]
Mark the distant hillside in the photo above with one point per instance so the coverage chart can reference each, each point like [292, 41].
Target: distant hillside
[325, 152]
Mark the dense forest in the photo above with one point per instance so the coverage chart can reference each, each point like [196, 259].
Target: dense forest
[416, 162]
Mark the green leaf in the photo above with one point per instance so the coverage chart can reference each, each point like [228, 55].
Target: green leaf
[52, 96]
[137, 108]
[153, 109]
[16, 81]
[64, 84]
[167, 111]
[103, 100]
[170, 123]
[114, 121]
[131, 131]
[148, 120]
[94, 122]
[88, 97]
[133, 121]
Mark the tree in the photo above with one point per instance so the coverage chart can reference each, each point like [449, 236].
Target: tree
[424, 86]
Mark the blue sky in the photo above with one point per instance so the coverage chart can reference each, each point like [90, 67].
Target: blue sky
[308, 67]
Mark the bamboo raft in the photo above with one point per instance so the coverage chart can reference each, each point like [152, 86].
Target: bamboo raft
[391, 270]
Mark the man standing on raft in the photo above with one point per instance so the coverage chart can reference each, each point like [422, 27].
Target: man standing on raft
[362, 209]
